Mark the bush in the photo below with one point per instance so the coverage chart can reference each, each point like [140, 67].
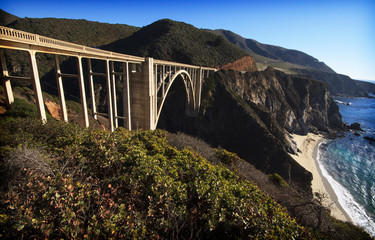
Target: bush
[278, 180]
[22, 109]
[131, 185]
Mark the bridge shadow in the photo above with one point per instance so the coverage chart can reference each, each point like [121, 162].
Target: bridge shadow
[173, 117]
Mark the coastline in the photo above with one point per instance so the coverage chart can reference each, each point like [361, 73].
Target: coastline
[308, 158]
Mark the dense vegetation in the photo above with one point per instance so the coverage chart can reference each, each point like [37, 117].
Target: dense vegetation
[62, 181]
[180, 42]
[82, 32]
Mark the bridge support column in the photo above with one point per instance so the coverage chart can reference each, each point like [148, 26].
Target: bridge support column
[82, 92]
[114, 97]
[37, 87]
[109, 94]
[143, 97]
[61, 89]
[198, 89]
[92, 91]
[6, 81]
[126, 96]
[152, 95]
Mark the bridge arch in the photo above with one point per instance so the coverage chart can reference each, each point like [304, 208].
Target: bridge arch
[189, 88]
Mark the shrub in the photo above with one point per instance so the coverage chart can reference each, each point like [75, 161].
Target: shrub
[278, 180]
[22, 109]
[132, 185]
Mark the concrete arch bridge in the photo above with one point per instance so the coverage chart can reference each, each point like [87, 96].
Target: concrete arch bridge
[145, 82]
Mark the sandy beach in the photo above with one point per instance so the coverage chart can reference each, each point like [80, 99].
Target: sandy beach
[308, 159]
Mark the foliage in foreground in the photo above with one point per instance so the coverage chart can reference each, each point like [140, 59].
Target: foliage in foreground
[124, 185]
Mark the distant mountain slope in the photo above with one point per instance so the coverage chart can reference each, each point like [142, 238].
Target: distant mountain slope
[367, 86]
[77, 31]
[269, 53]
[297, 63]
[178, 41]
[338, 84]
[6, 18]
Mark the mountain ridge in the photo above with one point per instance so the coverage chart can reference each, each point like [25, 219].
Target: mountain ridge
[6, 18]
[296, 62]
[269, 52]
[177, 41]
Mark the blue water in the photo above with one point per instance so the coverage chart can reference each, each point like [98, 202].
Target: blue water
[349, 163]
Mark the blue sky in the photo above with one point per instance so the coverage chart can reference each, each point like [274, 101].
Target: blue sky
[339, 33]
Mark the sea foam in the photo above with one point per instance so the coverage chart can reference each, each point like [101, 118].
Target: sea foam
[354, 210]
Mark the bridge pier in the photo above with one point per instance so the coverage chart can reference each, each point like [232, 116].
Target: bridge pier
[82, 92]
[60, 89]
[37, 87]
[6, 80]
[143, 97]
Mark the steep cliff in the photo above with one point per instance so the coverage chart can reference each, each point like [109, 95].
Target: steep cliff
[252, 113]
[297, 104]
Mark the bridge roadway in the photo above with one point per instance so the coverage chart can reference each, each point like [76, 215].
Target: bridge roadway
[145, 81]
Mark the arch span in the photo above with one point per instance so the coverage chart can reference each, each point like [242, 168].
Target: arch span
[189, 88]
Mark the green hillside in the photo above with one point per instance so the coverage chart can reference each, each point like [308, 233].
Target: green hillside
[83, 32]
[275, 56]
[62, 181]
[6, 18]
[180, 42]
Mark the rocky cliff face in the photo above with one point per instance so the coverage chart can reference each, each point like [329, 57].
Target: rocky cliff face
[246, 64]
[252, 113]
[297, 104]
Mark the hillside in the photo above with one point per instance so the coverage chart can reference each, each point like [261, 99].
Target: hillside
[89, 183]
[251, 114]
[86, 183]
[83, 32]
[268, 54]
[6, 18]
[338, 84]
[296, 62]
[367, 86]
[177, 41]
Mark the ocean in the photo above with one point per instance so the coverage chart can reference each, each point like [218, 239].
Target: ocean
[348, 163]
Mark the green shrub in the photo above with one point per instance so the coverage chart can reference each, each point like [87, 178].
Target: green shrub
[22, 109]
[278, 180]
[131, 185]
[226, 157]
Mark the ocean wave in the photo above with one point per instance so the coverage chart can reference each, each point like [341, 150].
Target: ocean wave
[343, 103]
[354, 210]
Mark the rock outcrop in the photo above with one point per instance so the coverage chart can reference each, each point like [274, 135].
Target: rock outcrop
[252, 113]
[246, 64]
[297, 104]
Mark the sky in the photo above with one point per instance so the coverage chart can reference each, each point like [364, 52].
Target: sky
[340, 33]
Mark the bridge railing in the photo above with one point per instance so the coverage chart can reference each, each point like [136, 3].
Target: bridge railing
[18, 36]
